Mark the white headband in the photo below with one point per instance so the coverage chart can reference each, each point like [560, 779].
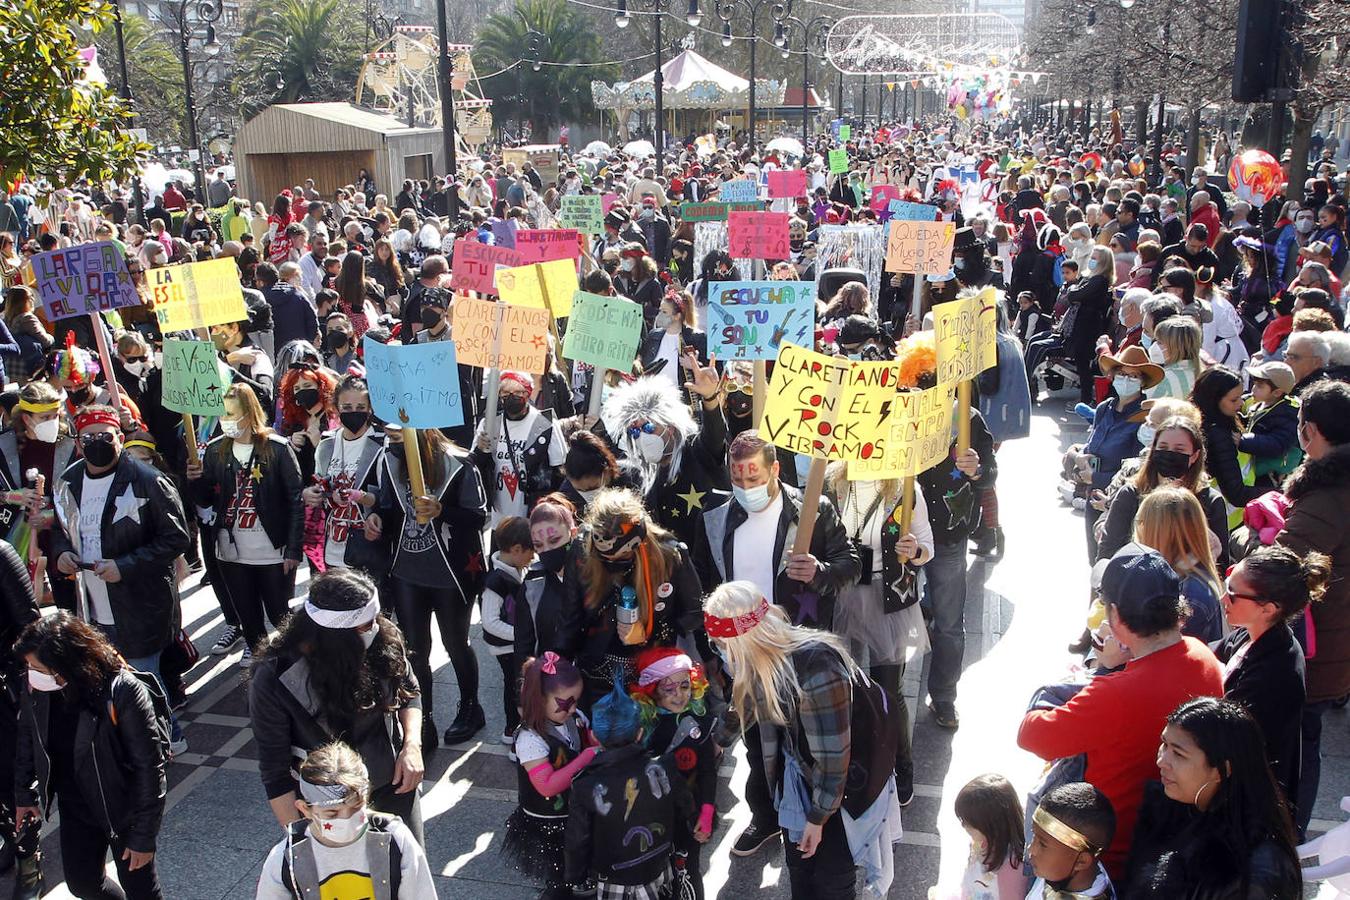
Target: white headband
[324, 795]
[664, 667]
[344, 618]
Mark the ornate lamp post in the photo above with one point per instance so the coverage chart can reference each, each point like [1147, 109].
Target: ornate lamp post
[207, 14]
[693, 17]
[726, 11]
[814, 34]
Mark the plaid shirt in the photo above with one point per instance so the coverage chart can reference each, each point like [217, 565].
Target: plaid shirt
[818, 735]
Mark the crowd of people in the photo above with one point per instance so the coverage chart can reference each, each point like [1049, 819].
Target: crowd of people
[633, 557]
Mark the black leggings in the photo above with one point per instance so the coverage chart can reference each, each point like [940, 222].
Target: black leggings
[257, 590]
[510, 690]
[85, 845]
[890, 678]
[414, 605]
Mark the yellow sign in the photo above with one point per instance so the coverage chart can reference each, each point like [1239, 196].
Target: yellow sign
[916, 436]
[197, 294]
[825, 407]
[966, 330]
[548, 285]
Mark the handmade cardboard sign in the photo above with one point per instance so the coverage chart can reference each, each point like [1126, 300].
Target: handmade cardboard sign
[758, 235]
[603, 331]
[825, 407]
[197, 295]
[838, 161]
[752, 319]
[740, 190]
[475, 265]
[845, 132]
[704, 212]
[414, 385]
[966, 332]
[584, 212]
[882, 195]
[194, 378]
[924, 248]
[915, 434]
[547, 285]
[536, 245]
[907, 211]
[786, 183]
[522, 332]
[84, 279]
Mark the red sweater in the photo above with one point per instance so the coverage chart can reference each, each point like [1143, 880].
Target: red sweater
[1117, 720]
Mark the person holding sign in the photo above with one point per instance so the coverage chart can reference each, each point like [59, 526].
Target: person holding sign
[435, 305]
[952, 488]
[522, 461]
[346, 476]
[250, 479]
[663, 349]
[436, 563]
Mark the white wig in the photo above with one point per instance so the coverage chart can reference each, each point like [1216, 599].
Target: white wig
[652, 400]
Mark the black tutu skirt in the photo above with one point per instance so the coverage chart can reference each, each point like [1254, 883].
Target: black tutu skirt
[534, 846]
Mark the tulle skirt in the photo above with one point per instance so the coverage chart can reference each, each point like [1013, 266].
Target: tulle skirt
[889, 638]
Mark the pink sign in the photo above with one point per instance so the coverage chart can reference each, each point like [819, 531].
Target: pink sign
[786, 183]
[475, 265]
[882, 195]
[538, 245]
[758, 235]
[608, 200]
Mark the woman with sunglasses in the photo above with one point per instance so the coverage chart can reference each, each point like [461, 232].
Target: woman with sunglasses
[1263, 661]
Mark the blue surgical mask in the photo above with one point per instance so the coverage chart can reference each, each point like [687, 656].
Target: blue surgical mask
[755, 499]
[1146, 434]
[1146, 339]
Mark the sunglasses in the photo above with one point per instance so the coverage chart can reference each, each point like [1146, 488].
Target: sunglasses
[136, 359]
[103, 437]
[644, 428]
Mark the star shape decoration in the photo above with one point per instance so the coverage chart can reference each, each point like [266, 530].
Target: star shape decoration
[955, 474]
[960, 506]
[905, 589]
[256, 473]
[537, 341]
[759, 349]
[892, 528]
[808, 606]
[692, 499]
[128, 506]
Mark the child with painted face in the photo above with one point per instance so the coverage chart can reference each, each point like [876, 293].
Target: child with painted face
[339, 848]
[670, 692]
[553, 744]
[540, 602]
[1069, 830]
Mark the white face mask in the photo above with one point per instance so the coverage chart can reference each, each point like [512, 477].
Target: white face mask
[1305, 226]
[135, 368]
[1126, 385]
[42, 681]
[626, 265]
[229, 428]
[47, 431]
[340, 831]
[651, 447]
[1146, 434]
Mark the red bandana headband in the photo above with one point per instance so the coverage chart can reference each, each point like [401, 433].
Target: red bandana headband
[519, 379]
[97, 417]
[718, 627]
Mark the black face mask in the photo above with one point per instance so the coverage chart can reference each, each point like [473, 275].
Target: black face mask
[617, 566]
[513, 405]
[79, 396]
[335, 340]
[307, 397]
[553, 560]
[354, 420]
[739, 404]
[431, 317]
[1170, 463]
[395, 451]
[100, 454]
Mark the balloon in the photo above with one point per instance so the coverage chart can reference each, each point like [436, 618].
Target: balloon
[962, 112]
[1136, 166]
[1255, 176]
[1093, 161]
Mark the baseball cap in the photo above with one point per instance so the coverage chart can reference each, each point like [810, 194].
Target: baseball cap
[1316, 248]
[1135, 577]
[1277, 373]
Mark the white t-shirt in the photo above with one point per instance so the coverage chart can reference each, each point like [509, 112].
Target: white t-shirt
[508, 463]
[245, 542]
[670, 352]
[341, 519]
[529, 745]
[343, 871]
[860, 498]
[93, 500]
[753, 550]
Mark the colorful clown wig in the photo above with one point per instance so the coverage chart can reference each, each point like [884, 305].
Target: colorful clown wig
[294, 417]
[917, 355]
[654, 665]
[616, 717]
[75, 365]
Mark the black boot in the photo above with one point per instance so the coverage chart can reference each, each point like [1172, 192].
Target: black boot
[431, 738]
[6, 855]
[28, 878]
[468, 722]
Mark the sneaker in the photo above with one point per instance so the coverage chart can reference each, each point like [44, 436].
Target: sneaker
[905, 793]
[178, 747]
[228, 641]
[468, 722]
[246, 661]
[944, 714]
[754, 837]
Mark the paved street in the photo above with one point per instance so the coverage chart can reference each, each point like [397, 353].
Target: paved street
[1023, 612]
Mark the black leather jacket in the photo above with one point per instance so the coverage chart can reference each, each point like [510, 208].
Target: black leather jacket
[17, 605]
[118, 761]
[277, 493]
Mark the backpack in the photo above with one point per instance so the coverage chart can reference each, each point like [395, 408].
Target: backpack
[163, 713]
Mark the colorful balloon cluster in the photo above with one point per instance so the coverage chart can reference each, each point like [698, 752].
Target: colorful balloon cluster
[1255, 176]
[979, 96]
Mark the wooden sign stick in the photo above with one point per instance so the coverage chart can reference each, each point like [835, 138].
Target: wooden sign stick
[597, 387]
[806, 525]
[761, 389]
[106, 359]
[494, 382]
[412, 455]
[190, 437]
[963, 416]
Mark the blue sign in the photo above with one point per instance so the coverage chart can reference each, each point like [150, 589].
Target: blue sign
[416, 386]
[742, 190]
[906, 211]
[751, 319]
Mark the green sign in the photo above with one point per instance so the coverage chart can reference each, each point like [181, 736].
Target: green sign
[704, 212]
[194, 378]
[845, 132]
[839, 160]
[584, 212]
[603, 331]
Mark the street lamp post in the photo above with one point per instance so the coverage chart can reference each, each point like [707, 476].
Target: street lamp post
[208, 13]
[726, 11]
[693, 17]
[138, 198]
[447, 74]
[817, 29]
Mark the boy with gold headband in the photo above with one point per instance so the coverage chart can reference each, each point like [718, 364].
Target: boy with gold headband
[1069, 830]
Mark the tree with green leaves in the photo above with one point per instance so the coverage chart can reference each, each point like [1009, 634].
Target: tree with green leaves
[156, 77]
[568, 48]
[298, 51]
[56, 124]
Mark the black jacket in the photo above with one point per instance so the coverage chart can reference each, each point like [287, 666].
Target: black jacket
[651, 346]
[604, 807]
[836, 559]
[1269, 683]
[276, 495]
[1094, 304]
[953, 504]
[702, 483]
[1221, 462]
[143, 530]
[539, 613]
[17, 604]
[118, 760]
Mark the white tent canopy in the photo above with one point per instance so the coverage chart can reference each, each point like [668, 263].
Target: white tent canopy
[683, 71]
[689, 82]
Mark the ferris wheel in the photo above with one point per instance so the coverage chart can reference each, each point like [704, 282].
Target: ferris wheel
[399, 77]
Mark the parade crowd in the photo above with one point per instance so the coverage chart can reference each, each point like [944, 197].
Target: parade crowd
[632, 557]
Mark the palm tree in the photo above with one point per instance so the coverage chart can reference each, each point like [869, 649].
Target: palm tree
[298, 51]
[156, 76]
[555, 93]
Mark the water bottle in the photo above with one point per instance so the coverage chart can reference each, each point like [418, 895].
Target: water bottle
[627, 610]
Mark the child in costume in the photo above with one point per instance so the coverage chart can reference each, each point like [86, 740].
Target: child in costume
[670, 691]
[553, 745]
[1069, 830]
[627, 809]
